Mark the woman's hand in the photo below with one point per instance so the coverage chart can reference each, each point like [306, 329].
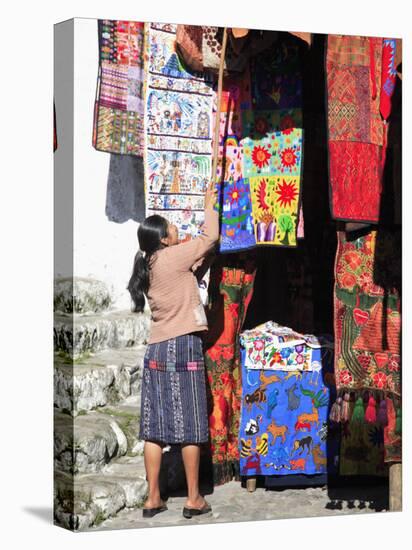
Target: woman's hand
[210, 196]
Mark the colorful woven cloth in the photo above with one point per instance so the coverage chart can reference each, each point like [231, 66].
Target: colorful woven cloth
[230, 290]
[388, 76]
[367, 333]
[178, 134]
[274, 347]
[237, 225]
[284, 421]
[118, 115]
[357, 132]
[261, 142]
[273, 146]
[367, 318]
[174, 401]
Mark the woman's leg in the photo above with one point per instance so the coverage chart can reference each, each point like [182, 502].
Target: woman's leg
[191, 461]
[152, 462]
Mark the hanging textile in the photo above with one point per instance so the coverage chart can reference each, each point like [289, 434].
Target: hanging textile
[357, 131]
[125, 197]
[260, 151]
[230, 291]
[388, 78]
[367, 331]
[284, 420]
[118, 115]
[275, 347]
[237, 225]
[274, 141]
[178, 134]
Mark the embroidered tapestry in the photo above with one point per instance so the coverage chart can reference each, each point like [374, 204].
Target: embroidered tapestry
[118, 115]
[262, 126]
[367, 334]
[284, 427]
[357, 131]
[367, 320]
[230, 292]
[273, 143]
[235, 205]
[274, 347]
[178, 134]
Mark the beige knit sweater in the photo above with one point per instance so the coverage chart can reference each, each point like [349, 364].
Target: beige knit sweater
[173, 295]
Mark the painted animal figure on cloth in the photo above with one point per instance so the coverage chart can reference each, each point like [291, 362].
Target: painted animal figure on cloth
[319, 399]
[292, 373]
[302, 426]
[319, 458]
[316, 370]
[293, 400]
[300, 444]
[262, 444]
[266, 379]
[312, 417]
[246, 447]
[258, 396]
[252, 427]
[277, 431]
[253, 463]
[272, 402]
[298, 464]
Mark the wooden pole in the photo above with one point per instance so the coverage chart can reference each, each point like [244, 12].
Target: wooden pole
[218, 107]
[251, 484]
[395, 487]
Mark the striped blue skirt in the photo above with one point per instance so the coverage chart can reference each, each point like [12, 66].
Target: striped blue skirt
[173, 399]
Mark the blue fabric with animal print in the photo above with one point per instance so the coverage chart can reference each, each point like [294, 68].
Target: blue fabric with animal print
[284, 425]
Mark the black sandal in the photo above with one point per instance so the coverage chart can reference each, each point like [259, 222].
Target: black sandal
[150, 512]
[190, 512]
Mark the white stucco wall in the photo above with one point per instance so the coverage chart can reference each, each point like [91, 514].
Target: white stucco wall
[102, 249]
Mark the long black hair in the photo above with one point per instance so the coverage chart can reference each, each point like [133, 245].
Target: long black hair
[149, 235]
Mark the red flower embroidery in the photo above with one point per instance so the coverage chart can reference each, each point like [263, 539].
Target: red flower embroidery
[234, 308]
[347, 280]
[234, 195]
[225, 378]
[288, 157]
[345, 377]
[276, 358]
[393, 364]
[258, 344]
[228, 352]
[260, 156]
[353, 259]
[287, 193]
[379, 379]
[214, 353]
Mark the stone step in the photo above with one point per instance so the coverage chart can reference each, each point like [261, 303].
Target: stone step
[87, 443]
[76, 335]
[106, 377]
[80, 295]
[81, 501]
[127, 415]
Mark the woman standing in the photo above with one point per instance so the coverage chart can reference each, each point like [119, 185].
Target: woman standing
[173, 402]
